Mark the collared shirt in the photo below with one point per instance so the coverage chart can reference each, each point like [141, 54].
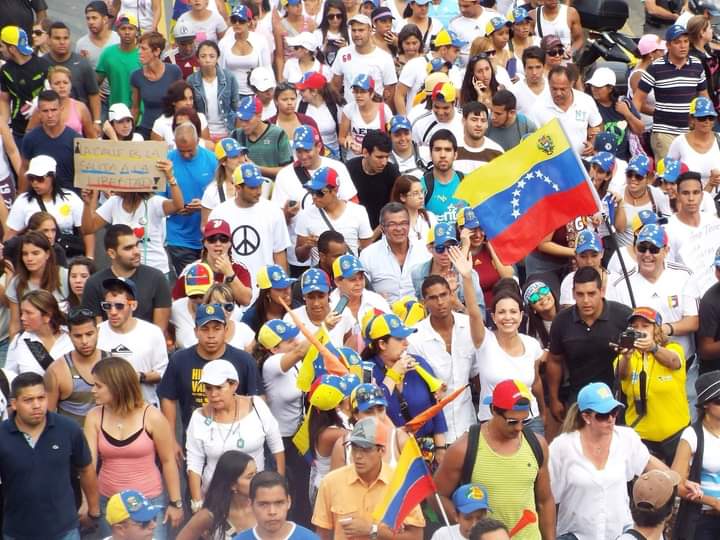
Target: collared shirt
[39, 500]
[343, 494]
[582, 114]
[586, 349]
[454, 368]
[386, 275]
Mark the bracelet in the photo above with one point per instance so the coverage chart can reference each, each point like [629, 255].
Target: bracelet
[394, 376]
[172, 181]
[672, 329]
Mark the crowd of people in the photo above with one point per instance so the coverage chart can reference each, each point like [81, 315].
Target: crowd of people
[241, 355]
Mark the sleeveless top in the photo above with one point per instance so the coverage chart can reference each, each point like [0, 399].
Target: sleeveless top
[558, 26]
[81, 400]
[128, 464]
[73, 120]
[510, 481]
[288, 30]
[646, 118]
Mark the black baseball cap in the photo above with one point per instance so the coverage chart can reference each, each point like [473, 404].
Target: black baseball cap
[98, 6]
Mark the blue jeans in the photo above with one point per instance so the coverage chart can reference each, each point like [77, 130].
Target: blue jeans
[70, 535]
[160, 532]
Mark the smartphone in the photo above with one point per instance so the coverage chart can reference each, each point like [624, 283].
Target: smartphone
[367, 369]
[511, 67]
[341, 305]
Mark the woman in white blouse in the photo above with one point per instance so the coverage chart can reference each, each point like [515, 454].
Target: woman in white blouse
[591, 463]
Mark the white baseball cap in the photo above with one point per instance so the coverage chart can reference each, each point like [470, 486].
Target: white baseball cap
[119, 111]
[218, 372]
[306, 40]
[360, 18]
[41, 165]
[182, 30]
[262, 78]
[603, 76]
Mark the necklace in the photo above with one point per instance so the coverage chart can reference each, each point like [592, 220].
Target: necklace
[231, 430]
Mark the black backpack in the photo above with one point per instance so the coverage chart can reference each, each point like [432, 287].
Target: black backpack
[429, 180]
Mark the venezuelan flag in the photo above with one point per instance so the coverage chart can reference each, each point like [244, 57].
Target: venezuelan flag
[528, 192]
[301, 439]
[306, 374]
[410, 484]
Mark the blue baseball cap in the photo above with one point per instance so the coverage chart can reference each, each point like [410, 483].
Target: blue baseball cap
[241, 12]
[228, 147]
[701, 107]
[130, 504]
[273, 276]
[643, 217]
[587, 241]
[248, 107]
[674, 32]
[605, 142]
[470, 497]
[441, 234]
[322, 178]
[446, 38]
[670, 169]
[126, 283]
[386, 324]
[275, 331]
[205, 313]
[363, 81]
[314, 280]
[604, 160]
[248, 174]
[640, 165]
[399, 122]
[346, 266]
[303, 138]
[654, 234]
[598, 398]
[366, 396]
[518, 15]
[495, 24]
[436, 64]
[467, 218]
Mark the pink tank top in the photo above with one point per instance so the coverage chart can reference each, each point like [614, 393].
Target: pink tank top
[128, 464]
[73, 120]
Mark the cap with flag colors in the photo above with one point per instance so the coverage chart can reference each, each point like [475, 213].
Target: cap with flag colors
[14, 35]
[528, 192]
[198, 278]
[387, 324]
[510, 395]
[275, 331]
[273, 276]
[409, 309]
[346, 266]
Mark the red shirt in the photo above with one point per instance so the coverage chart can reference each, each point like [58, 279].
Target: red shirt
[240, 271]
[186, 65]
[487, 274]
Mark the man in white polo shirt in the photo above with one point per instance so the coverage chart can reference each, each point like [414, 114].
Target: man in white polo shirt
[576, 111]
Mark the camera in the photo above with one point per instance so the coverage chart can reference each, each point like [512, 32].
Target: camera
[627, 338]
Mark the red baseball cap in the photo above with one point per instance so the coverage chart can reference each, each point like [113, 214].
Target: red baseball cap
[510, 395]
[312, 80]
[216, 226]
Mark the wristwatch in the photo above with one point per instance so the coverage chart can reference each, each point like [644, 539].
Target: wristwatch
[177, 504]
[229, 279]
[374, 531]
[143, 378]
[171, 181]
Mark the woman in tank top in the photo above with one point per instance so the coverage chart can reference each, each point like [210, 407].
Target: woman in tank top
[241, 58]
[125, 434]
[291, 24]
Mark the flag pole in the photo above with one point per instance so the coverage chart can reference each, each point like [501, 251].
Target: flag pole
[444, 515]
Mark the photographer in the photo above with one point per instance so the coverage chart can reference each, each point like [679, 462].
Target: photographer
[651, 373]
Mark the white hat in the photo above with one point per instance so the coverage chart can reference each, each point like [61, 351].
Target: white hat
[182, 30]
[360, 18]
[218, 372]
[41, 165]
[119, 111]
[603, 76]
[306, 40]
[262, 78]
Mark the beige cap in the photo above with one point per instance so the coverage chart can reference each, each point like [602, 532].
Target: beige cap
[653, 489]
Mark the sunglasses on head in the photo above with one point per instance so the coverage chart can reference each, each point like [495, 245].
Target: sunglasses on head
[644, 247]
[537, 295]
[80, 313]
[441, 249]
[217, 238]
[604, 417]
[556, 52]
[109, 306]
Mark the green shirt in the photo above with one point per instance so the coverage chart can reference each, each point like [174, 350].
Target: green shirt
[271, 149]
[116, 65]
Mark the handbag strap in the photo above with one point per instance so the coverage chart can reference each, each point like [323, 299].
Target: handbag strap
[326, 219]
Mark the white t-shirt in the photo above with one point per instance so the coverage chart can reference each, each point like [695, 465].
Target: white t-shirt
[293, 73]
[207, 29]
[240, 66]
[566, 288]
[257, 232]
[359, 127]
[582, 114]
[447, 533]
[378, 65]
[662, 205]
[148, 223]
[215, 122]
[67, 210]
[527, 100]
[144, 347]
[142, 9]
[435, 27]
[495, 365]
[327, 125]
[283, 396]
[466, 166]
[701, 163]
[261, 40]
[695, 247]
[469, 28]
[710, 472]
[353, 224]
[163, 126]
[425, 125]
[337, 334]
[578, 485]
[21, 360]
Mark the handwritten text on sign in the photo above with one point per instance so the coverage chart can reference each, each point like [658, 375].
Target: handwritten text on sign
[119, 165]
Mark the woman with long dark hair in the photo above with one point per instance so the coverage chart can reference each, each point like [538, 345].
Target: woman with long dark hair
[274, 285]
[226, 509]
[306, 57]
[479, 83]
[79, 270]
[290, 23]
[409, 45]
[179, 94]
[333, 29]
[241, 57]
[41, 222]
[120, 125]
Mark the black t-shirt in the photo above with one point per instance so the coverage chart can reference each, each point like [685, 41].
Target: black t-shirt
[181, 381]
[709, 315]
[36, 143]
[373, 190]
[586, 349]
[153, 291]
[21, 13]
[23, 83]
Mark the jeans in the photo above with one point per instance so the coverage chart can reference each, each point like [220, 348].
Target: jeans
[74, 534]
[708, 528]
[160, 532]
[180, 257]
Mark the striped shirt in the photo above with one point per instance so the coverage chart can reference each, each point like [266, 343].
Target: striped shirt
[674, 90]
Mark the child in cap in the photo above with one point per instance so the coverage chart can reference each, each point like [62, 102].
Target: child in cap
[471, 503]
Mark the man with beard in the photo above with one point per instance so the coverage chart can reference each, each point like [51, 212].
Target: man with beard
[475, 149]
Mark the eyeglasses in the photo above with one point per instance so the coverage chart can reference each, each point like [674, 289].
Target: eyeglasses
[80, 313]
[109, 306]
[318, 193]
[536, 296]
[644, 247]
[441, 249]
[515, 422]
[556, 52]
[705, 118]
[217, 239]
[38, 32]
[604, 417]
[396, 224]
[337, 16]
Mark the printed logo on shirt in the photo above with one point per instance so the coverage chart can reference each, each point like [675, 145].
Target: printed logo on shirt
[673, 301]
[197, 388]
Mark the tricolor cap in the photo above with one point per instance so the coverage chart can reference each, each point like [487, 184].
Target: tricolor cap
[641, 165]
[322, 178]
[262, 78]
[649, 314]
[444, 92]
[241, 12]
[228, 148]
[447, 37]
[248, 107]
[369, 432]
[275, 331]
[130, 504]
[303, 138]
[604, 160]
[441, 234]
[306, 40]
[352, 381]
[495, 24]
[670, 169]
[432, 80]
[642, 218]
[701, 107]
[587, 241]
[14, 35]
[351, 357]
[198, 279]
[654, 489]
[119, 111]
[518, 15]
[126, 18]
[41, 165]
[366, 396]
[248, 174]
[273, 276]
[654, 234]
[597, 397]
[364, 82]
[605, 142]
[127, 284]
[218, 372]
[206, 313]
[327, 392]
[467, 218]
[290, 2]
[314, 280]
[387, 324]
[346, 266]
[312, 80]
[510, 395]
[437, 64]
[399, 122]
[674, 32]
[409, 309]
[470, 497]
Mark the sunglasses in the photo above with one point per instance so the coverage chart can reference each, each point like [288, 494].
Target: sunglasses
[634, 176]
[644, 247]
[228, 306]
[38, 33]
[604, 417]
[515, 422]
[556, 52]
[109, 306]
[217, 239]
[337, 16]
[705, 119]
[482, 56]
[237, 20]
[536, 296]
[32, 178]
[318, 193]
[441, 249]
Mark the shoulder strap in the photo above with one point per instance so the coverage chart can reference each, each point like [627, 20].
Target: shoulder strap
[41, 203]
[303, 107]
[332, 107]
[221, 192]
[4, 385]
[473, 440]
[635, 534]
[538, 12]
[302, 173]
[696, 466]
[429, 128]
[535, 445]
[429, 178]
[326, 219]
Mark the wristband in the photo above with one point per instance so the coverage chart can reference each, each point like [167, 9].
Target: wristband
[394, 376]
[672, 329]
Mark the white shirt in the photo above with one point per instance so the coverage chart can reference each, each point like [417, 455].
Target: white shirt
[710, 479]
[455, 368]
[695, 247]
[207, 29]
[293, 73]
[527, 100]
[594, 504]
[447, 533]
[469, 28]
[327, 124]
[582, 114]
[701, 163]
[359, 127]
[369, 300]
[466, 166]
[144, 347]
[21, 360]
[337, 334]
[283, 396]
[261, 40]
[66, 209]
[378, 65]
[385, 273]
[427, 124]
[163, 126]
[662, 206]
